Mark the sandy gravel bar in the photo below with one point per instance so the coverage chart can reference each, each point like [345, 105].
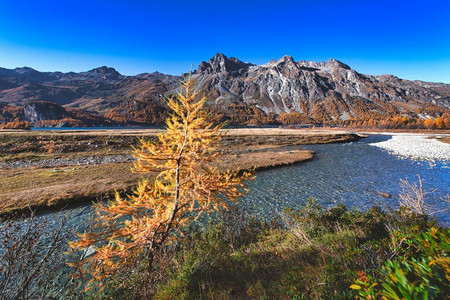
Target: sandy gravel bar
[416, 146]
[68, 161]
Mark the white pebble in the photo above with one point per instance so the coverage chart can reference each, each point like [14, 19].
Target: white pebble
[416, 146]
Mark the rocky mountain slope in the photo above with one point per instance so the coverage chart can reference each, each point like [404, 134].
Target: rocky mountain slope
[322, 91]
[283, 91]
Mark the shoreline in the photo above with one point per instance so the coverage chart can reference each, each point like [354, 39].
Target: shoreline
[246, 162]
[49, 187]
[415, 146]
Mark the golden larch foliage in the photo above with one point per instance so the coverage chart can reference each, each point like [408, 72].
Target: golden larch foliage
[428, 123]
[16, 125]
[439, 123]
[187, 185]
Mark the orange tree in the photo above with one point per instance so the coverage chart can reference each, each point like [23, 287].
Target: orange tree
[187, 185]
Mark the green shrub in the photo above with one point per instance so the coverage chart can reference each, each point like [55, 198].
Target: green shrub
[310, 253]
[423, 275]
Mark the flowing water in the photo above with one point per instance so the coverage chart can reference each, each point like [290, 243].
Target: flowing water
[352, 174]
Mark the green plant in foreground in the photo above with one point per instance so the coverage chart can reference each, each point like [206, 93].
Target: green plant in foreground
[426, 276]
[239, 258]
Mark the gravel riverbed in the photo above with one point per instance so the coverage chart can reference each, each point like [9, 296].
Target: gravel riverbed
[54, 162]
[416, 146]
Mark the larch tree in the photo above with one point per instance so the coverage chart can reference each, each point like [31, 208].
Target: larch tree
[428, 123]
[187, 185]
[438, 123]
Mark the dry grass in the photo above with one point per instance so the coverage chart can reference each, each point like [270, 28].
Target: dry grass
[44, 187]
[264, 160]
[36, 145]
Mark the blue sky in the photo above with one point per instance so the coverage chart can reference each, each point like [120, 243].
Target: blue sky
[410, 39]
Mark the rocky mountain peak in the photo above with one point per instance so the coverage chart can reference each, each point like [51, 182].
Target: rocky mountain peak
[104, 70]
[286, 63]
[220, 63]
[219, 57]
[286, 59]
[25, 75]
[25, 70]
[334, 63]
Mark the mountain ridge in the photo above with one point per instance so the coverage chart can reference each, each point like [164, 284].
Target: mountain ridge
[241, 92]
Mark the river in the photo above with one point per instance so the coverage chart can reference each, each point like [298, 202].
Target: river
[352, 174]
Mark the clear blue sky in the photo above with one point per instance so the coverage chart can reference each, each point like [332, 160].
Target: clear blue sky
[410, 39]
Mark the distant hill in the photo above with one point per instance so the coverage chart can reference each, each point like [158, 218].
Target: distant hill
[283, 91]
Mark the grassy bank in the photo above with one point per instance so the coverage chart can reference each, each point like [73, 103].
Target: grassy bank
[311, 253]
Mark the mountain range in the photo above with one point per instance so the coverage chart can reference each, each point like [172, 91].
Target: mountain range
[281, 91]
